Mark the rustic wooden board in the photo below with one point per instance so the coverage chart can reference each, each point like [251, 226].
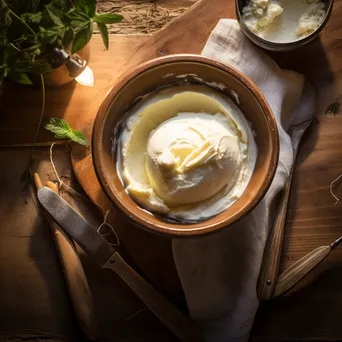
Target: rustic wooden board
[314, 311]
[313, 217]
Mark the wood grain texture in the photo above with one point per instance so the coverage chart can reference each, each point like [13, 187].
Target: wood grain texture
[34, 303]
[312, 311]
[270, 266]
[299, 269]
[173, 319]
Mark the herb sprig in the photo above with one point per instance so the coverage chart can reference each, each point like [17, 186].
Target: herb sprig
[335, 107]
[62, 130]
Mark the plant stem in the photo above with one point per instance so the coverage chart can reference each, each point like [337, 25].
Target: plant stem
[40, 118]
[22, 21]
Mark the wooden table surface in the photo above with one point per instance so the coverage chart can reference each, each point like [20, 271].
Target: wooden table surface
[31, 284]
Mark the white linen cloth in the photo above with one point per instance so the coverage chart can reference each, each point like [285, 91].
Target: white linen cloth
[219, 272]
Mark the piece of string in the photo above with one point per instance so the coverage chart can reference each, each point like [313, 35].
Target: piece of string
[135, 314]
[331, 188]
[105, 223]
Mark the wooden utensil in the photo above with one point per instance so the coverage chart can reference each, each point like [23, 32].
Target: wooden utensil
[302, 267]
[106, 256]
[75, 277]
[270, 265]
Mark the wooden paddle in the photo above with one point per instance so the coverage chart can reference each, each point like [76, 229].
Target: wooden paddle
[75, 277]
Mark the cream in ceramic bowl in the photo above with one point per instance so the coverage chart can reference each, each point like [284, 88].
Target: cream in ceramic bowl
[185, 145]
[282, 25]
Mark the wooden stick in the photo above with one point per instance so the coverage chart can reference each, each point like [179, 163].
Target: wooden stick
[168, 314]
[53, 186]
[75, 277]
[270, 264]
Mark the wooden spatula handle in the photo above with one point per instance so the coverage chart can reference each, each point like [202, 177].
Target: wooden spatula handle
[76, 280]
[79, 291]
[270, 265]
[169, 315]
[300, 269]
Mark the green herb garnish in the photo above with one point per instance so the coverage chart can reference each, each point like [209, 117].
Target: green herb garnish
[62, 130]
[334, 108]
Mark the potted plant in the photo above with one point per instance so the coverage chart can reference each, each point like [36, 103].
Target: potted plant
[34, 34]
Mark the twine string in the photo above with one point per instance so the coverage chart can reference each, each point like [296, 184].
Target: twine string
[105, 223]
[331, 188]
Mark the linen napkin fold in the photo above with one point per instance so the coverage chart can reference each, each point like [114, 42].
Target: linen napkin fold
[219, 272]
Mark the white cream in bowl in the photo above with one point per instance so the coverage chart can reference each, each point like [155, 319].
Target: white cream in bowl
[283, 21]
[186, 152]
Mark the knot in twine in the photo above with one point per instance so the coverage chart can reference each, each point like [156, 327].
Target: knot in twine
[101, 229]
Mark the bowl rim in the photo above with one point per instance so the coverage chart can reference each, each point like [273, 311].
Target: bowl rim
[168, 228]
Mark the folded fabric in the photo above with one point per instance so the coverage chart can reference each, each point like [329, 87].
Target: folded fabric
[219, 272]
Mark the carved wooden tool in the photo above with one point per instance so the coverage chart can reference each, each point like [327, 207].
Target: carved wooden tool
[105, 256]
[270, 265]
[302, 267]
[75, 277]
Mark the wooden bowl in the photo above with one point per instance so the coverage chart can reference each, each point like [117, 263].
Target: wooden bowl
[163, 72]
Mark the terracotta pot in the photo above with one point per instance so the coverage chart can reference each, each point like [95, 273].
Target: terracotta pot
[163, 72]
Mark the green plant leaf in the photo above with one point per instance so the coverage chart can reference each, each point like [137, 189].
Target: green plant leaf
[79, 138]
[108, 18]
[21, 78]
[104, 34]
[52, 34]
[78, 17]
[62, 130]
[87, 6]
[58, 126]
[34, 5]
[82, 37]
[33, 17]
[334, 108]
[54, 14]
[68, 38]
[5, 18]
[22, 66]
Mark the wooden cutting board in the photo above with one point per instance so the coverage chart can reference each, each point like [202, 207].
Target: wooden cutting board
[153, 254]
[188, 34]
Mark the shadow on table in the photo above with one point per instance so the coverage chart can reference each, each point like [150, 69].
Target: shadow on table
[121, 315]
[305, 314]
[21, 108]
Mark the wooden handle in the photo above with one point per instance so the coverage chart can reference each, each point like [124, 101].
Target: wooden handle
[78, 287]
[171, 317]
[300, 269]
[75, 277]
[270, 265]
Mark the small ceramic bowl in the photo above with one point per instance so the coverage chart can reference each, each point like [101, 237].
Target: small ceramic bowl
[272, 46]
[163, 72]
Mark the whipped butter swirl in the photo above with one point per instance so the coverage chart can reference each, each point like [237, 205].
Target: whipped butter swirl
[186, 152]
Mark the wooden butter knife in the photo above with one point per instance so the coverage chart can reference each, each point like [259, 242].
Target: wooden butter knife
[270, 265]
[75, 277]
[105, 256]
[302, 267]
